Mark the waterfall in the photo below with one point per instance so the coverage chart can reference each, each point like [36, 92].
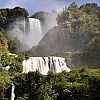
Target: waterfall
[28, 32]
[12, 92]
[35, 32]
[24, 23]
[45, 64]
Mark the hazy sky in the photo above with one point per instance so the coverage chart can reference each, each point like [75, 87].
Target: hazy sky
[44, 5]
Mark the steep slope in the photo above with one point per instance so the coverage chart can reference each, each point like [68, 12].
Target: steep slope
[57, 41]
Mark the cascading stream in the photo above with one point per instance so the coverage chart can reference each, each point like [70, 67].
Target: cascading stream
[12, 92]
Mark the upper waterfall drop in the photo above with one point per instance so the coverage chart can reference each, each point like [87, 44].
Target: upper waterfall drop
[35, 32]
[45, 64]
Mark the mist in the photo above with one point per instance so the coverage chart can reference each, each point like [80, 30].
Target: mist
[27, 31]
[49, 21]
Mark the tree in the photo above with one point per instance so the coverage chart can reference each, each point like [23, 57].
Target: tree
[91, 8]
[19, 12]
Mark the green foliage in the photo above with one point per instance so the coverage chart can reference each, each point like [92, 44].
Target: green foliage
[69, 58]
[91, 8]
[16, 63]
[93, 46]
[80, 84]
[80, 19]
[91, 53]
[14, 46]
[20, 12]
[7, 59]
[89, 23]
[5, 82]
[83, 24]
[68, 16]
[9, 15]
[3, 42]
[3, 49]
[74, 59]
[83, 84]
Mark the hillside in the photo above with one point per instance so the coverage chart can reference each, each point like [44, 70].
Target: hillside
[78, 31]
[57, 41]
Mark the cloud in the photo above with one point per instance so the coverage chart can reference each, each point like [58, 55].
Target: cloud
[34, 5]
[38, 5]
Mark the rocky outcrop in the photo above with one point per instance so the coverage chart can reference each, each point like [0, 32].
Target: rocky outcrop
[56, 41]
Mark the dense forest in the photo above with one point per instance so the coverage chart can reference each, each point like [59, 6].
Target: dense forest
[83, 23]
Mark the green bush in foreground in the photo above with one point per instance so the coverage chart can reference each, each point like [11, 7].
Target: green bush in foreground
[80, 84]
[83, 84]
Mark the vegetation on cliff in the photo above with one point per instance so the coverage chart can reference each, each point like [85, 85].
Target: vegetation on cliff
[82, 23]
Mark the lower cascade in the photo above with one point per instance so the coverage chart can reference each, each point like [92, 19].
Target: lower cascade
[45, 65]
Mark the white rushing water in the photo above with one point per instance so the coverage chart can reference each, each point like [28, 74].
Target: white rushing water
[27, 32]
[35, 32]
[12, 92]
[45, 64]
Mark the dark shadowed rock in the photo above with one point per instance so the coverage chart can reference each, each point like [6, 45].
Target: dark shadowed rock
[57, 41]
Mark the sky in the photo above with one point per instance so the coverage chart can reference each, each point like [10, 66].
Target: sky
[43, 5]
